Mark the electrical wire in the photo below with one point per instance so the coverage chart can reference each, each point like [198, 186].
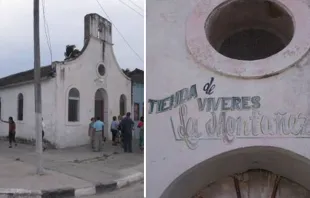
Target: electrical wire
[136, 5]
[47, 32]
[119, 32]
[131, 8]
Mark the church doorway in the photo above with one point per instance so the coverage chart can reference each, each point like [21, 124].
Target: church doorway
[249, 172]
[101, 106]
[252, 184]
[122, 105]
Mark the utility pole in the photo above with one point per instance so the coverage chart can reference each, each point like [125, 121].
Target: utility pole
[37, 84]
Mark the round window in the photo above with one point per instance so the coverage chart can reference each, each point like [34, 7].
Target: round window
[248, 38]
[101, 70]
[249, 30]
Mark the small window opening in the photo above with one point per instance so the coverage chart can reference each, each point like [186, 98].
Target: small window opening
[249, 30]
[73, 105]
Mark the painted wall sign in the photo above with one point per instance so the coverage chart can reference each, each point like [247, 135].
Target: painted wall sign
[216, 123]
[174, 100]
[222, 126]
[208, 88]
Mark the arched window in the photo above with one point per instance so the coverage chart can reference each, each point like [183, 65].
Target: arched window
[73, 105]
[20, 107]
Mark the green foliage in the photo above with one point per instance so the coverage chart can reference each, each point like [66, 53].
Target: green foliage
[126, 71]
[71, 52]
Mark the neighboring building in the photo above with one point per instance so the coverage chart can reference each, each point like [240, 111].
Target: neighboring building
[228, 90]
[73, 91]
[137, 81]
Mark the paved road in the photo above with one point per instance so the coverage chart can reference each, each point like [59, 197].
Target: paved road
[133, 191]
[80, 162]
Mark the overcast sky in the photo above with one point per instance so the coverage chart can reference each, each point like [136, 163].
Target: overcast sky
[66, 25]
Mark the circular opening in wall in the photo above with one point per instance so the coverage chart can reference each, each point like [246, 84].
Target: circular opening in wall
[101, 70]
[249, 30]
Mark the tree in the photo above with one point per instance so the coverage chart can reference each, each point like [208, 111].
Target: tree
[71, 52]
[126, 71]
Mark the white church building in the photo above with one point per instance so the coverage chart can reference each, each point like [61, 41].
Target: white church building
[73, 91]
[230, 115]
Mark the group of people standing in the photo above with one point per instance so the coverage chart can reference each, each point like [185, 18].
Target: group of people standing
[121, 130]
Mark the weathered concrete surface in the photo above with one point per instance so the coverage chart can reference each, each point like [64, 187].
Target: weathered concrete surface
[104, 167]
[21, 175]
[134, 191]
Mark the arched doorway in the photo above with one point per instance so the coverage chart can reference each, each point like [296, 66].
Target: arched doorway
[122, 105]
[249, 172]
[251, 184]
[101, 108]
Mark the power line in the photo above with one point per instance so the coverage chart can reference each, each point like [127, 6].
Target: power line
[136, 5]
[47, 32]
[119, 32]
[130, 8]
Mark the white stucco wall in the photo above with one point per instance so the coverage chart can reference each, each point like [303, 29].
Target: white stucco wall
[26, 127]
[181, 56]
[81, 73]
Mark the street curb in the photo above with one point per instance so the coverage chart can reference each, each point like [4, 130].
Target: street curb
[98, 188]
[19, 193]
[136, 177]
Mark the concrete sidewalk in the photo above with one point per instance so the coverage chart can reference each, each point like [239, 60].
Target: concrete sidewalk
[69, 172]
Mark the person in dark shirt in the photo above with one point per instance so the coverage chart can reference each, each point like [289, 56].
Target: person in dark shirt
[126, 128]
[121, 138]
[12, 131]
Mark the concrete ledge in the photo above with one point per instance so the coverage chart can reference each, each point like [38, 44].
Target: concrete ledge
[136, 177]
[64, 192]
[19, 193]
[103, 188]
[21, 140]
[73, 192]
[85, 191]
